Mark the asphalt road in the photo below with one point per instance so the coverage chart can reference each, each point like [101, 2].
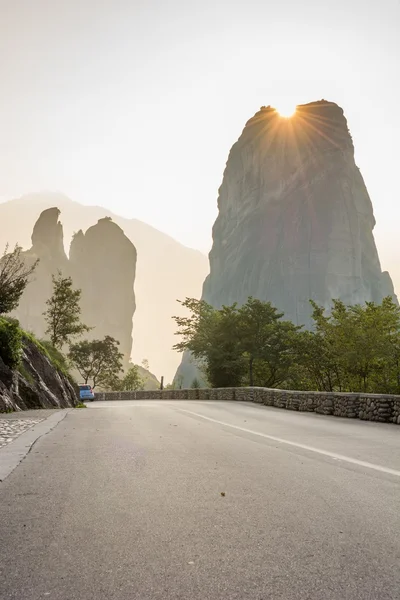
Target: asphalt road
[203, 500]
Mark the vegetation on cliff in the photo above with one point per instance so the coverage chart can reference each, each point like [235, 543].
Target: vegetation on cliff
[14, 277]
[351, 349]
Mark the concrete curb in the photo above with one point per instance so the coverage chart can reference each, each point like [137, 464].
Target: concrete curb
[15, 452]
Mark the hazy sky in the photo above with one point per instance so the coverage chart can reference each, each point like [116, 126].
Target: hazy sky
[134, 105]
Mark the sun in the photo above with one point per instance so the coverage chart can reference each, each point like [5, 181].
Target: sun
[286, 109]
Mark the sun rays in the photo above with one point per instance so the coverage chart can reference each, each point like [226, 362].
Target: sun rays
[286, 109]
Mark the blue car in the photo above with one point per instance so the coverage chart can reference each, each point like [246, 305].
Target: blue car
[86, 392]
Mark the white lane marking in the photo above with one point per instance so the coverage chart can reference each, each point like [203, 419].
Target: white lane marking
[333, 455]
[113, 406]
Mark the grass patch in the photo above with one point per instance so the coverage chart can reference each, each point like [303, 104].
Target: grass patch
[81, 405]
[57, 358]
[25, 374]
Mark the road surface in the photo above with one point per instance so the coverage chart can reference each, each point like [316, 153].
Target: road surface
[203, 500]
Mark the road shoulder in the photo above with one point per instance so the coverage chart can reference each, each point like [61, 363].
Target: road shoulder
[14, 453]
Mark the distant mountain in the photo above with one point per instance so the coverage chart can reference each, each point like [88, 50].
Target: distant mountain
[166, 270]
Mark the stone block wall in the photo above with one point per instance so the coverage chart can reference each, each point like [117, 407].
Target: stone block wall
[396, 410]
[369, 407]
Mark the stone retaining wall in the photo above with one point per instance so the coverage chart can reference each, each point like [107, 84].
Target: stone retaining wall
[369, 407]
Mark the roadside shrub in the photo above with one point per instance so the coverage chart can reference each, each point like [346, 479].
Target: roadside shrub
[10, 342]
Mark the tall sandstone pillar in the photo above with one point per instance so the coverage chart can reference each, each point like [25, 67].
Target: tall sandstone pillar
[103, 265]
[295, 220]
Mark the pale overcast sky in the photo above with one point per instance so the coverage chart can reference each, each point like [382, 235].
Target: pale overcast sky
[134, 105]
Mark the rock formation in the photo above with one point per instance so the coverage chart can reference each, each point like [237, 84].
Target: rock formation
[295, 219]
[103, 265]
[48, 247]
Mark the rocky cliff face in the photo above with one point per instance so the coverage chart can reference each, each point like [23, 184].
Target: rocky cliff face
[103, 265]
[295, 219]
[37, 384]
[48, 247]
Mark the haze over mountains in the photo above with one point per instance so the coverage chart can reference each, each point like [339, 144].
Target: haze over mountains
[166, 270]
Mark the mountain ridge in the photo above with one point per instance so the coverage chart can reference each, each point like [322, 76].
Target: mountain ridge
[63, 198]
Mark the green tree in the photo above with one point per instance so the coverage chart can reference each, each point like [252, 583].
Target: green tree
[145, 364]
[211, 335]
[371, 346]
[63, 315]
[195, 383]
[386, 376]
[225, 365]
[14, 277]
[131, 380]
[351, 348]
[313, 367]
[318, 355]
[266, 342]
[354, 348]
[98, 361]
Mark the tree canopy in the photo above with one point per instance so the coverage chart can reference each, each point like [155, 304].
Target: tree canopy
[14, 277]
[350, 348]
[63, 315]
[131, 380]
[98, 361]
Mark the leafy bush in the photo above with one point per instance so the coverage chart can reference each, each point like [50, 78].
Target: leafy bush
[10, 342]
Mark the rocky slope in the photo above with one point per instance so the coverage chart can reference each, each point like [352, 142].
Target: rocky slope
[295, 219]
[102, 263]
[166, 270]
[37, 383]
